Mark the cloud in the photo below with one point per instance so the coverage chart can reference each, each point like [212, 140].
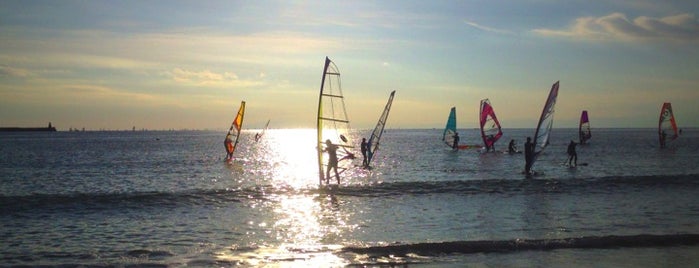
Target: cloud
[617, 27]
[210, 78]
[486, 28]
[13, 72]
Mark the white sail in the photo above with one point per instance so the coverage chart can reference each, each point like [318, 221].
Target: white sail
[332, 120]
[378, 130]
[543, 128]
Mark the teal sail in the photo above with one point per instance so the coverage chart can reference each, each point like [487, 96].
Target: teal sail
[450, 129]
[378, 130]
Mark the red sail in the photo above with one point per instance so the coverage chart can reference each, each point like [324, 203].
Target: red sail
[667, 127]
[490, 126]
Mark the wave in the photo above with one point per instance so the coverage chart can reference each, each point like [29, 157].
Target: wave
[504, 246]
[199, 197]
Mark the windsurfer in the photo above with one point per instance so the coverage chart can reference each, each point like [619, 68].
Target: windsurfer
[257, 137]
[455, 146]
[229, 146]
[492, 145]
[365, 150]
[528, 155]
[663, 136]
[512, 147]
[572, 155]
[332, 161]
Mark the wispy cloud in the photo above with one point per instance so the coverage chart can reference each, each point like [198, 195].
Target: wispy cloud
[210, 78]
[13, 72]
[486, 28]
[617, 27]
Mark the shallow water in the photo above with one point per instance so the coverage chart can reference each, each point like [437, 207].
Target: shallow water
[168, 198]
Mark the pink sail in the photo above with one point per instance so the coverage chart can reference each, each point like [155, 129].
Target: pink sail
[584, 128]
[490, 126]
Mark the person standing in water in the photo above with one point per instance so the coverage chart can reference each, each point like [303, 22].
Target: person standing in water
[663, 136]
[512, 147]
[572, 155]
[455, 146]
[365, 150]
[332, 161]
[528, 155]
[229, 146]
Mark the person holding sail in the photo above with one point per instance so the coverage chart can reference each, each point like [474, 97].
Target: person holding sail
[229, 146]
[528, 155]
[455, 146]
[332, 161]
[365, 149]
[572, 155]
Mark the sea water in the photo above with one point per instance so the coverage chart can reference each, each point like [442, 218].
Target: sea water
[167, 198]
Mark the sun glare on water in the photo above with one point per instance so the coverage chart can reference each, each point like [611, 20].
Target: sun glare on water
[306, 224]
[295, 157]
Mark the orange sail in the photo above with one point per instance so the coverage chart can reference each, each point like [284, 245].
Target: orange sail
[233, 135]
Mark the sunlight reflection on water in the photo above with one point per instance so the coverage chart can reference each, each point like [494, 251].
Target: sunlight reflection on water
[306, 227]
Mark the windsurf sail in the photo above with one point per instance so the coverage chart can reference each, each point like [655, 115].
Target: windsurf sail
[490, 126]
[231, 141]
[333, 123]
[543, 128]
[584, 128]
[667, 127]
[450, 129]
[378, 130]
[258, 136]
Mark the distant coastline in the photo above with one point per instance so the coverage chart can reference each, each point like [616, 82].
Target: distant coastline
[33, 129]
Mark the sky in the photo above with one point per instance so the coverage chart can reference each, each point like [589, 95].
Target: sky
[188, 64]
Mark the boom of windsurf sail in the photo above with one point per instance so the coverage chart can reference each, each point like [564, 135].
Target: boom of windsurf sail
[667, 127]
[584, 128]
[490, 126]
[378, 130]
[332, 120]
[231, 140]
[543, 128]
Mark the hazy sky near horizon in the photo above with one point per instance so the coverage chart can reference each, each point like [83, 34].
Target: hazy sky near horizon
[188, 64]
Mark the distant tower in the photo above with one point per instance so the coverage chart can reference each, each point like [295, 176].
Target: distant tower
[49, 124]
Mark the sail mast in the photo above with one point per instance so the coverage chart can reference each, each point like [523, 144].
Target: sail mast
[319, 127]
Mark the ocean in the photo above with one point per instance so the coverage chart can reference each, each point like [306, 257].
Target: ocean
[167, 198]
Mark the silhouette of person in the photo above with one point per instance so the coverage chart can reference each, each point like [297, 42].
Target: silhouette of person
[257, 137]
[455, 146]
[365, 150]
[663, 136]
[332, 161]
[528, 155]
[572, 155]
[229, 146]
[492, 145]
[512, 147]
